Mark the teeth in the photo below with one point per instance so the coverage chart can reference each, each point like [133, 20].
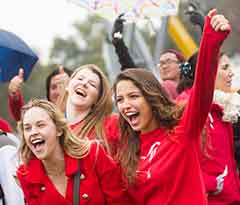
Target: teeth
[81, 92]
[35, 141]
[130, 114]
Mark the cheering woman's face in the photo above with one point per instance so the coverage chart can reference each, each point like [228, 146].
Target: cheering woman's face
[224, 75]
[83, 89]
[134, 108]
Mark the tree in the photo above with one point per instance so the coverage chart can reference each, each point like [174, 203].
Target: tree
[83, 48]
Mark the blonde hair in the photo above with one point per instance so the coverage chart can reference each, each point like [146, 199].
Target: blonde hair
[101, 109]
[73, 146]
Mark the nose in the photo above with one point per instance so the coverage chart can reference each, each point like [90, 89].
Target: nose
[125, 105]
[163, 66]
[33, 131]
[84, 82]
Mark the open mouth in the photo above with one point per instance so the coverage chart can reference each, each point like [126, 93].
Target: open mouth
[37, 142]
[133, 117]
[81, 92]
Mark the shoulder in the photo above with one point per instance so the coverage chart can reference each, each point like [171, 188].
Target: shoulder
[112, 118]
[99, 155]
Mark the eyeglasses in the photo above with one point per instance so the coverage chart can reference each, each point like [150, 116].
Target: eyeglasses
[167, 62]
[224, 66]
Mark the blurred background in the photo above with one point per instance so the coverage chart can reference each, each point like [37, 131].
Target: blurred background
[90, 42]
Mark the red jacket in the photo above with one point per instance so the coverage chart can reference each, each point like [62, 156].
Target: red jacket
[169, 169]
[101, 184]
[15, 103]
[220, 154]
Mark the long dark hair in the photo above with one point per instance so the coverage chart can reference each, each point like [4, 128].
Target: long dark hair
[166, 112]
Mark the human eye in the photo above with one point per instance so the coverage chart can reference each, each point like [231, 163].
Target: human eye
[225, 67]
[119, 99]
[41, 124]
[80, 77]
[134, 95]
[53, 87]
[93, 84]
[26, 128]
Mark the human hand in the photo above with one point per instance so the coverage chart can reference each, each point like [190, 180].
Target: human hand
[62, 77]
[118, 29]
[16, 82]
[195, 14]
[218, 21]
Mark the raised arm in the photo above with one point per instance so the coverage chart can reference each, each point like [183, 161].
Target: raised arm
[215, 31]
[15, 97]
[121, 49]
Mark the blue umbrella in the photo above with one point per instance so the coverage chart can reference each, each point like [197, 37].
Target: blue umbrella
[14, 54]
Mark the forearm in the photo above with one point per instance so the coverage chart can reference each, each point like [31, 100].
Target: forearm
[202, 94]
[15, 103]
[124, 57]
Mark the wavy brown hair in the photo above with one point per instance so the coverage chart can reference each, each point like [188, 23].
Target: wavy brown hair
[166, 112]
[101, 109]
[70, 144]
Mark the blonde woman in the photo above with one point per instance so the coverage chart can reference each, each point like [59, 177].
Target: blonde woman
[88, 102]
[51, 156]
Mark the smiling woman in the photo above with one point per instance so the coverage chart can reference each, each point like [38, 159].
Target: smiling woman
[88, 103]
[52, 156]
[159, 143]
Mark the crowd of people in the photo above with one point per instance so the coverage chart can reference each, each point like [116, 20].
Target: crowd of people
[171, 142]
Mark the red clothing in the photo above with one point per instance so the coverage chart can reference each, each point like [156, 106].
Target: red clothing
[15, 103]
[183, 96]
[111, 130]
[171, 88]
[101, 185]
[5, 126]
[169, 169]
[220, 154]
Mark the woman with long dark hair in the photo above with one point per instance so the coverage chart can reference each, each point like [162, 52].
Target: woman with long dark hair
[160, 145]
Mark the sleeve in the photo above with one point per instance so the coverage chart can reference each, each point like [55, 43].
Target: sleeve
[5, 126]
[12, 192]
[210, 182]
[23, 184]
[121, 49]
[110, 178]
[15, 103]
[112, 132]
[200, 99]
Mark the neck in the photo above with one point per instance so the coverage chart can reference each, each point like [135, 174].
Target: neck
[75, 114]
[55, 166]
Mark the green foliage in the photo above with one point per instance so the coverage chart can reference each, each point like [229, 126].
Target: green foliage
[83, 48]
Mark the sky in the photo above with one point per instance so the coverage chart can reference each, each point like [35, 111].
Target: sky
[37, 22]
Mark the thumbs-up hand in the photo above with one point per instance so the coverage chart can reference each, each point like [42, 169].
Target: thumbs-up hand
[61, 78]
[16, 82]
